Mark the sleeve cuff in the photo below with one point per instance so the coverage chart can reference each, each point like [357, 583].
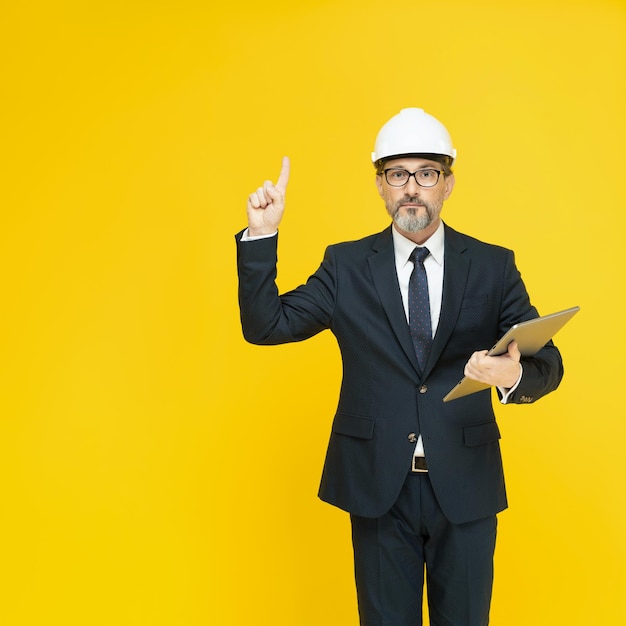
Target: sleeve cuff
[506, 393]
[246, 237]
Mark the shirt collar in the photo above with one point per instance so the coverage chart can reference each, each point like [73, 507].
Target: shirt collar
[403, 246]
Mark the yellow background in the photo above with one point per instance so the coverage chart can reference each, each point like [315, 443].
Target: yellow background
[154, 468]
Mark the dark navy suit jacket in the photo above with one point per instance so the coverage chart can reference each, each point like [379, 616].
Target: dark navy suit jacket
[384, 397]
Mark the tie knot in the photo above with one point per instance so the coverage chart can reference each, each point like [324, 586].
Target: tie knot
[419, 255]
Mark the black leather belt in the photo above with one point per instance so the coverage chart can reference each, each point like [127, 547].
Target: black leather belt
[419, 465]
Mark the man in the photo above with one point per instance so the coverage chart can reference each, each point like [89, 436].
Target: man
[413, 309]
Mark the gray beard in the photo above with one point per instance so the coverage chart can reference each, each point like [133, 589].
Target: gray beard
[409, 222]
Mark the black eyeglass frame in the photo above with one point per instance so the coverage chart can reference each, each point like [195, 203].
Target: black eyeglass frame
[401, 169]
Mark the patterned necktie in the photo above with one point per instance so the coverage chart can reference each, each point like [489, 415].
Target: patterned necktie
[419, 307]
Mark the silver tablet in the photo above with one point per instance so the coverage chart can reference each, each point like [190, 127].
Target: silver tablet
[531, 336]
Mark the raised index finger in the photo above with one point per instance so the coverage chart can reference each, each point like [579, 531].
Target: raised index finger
[283, 179]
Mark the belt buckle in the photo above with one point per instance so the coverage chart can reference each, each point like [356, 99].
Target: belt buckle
[419, 465]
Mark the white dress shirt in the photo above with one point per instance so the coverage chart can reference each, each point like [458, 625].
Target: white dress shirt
[433, 264]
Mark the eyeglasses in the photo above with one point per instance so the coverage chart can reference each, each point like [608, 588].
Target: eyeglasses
[424, 178]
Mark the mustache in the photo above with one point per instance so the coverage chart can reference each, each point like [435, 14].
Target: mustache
[409, 200]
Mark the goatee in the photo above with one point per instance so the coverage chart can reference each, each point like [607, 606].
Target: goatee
[410, 220]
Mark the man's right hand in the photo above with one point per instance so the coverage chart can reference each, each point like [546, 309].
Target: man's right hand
[267, 204]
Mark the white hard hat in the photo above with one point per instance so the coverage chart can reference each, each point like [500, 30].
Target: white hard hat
[412, 131]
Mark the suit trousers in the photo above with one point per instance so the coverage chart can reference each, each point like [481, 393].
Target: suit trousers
[392, 552]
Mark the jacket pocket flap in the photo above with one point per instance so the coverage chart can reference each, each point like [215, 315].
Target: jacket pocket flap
[481, 433]
[354, 425]
[479, 300]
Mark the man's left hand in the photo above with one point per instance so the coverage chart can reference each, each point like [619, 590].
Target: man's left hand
[499, 371]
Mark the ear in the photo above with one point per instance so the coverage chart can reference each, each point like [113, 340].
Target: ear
[379, 184]
[449, 186]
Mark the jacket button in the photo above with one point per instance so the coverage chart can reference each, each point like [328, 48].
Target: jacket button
[412, 437]
[423, 389]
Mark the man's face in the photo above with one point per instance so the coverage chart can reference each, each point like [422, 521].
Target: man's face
[415, 210]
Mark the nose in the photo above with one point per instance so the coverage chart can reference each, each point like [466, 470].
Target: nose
[411, 187]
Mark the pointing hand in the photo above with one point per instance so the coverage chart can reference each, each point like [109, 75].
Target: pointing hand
[267, 204]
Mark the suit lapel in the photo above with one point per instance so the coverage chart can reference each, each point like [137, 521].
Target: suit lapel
[383, 267]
